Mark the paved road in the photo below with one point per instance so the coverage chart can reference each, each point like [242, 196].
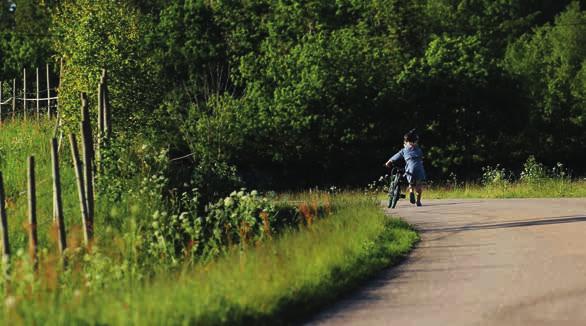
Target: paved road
[481, 262]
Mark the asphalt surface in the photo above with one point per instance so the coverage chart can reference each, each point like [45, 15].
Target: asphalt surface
[480, 262]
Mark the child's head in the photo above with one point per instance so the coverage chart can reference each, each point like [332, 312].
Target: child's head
[411, 137]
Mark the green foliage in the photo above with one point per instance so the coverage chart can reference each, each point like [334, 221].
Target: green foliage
[105, 34]
[213, 132]
[550, 63]
[187, 40]
[24, 42]
[456, 58]
[241, 219]
[286, 94]
[314, 93]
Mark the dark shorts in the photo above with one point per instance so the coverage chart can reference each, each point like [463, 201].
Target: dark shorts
[416, 177]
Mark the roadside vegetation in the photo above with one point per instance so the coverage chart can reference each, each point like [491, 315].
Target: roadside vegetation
[279, 280]
[550, 188]
[244, 258]
[535, 181]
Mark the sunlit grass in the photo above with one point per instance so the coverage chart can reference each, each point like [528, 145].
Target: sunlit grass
[19, 140]
[278, 280]
[342, 239]
[546, 188]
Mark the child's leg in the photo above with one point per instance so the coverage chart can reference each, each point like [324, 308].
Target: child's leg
[419, 190]
[411, 194]
[412, 186]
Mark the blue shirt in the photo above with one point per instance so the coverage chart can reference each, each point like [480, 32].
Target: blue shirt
[413, 157]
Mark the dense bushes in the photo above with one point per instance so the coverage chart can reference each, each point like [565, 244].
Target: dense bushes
[333, 88]
[551, 65]
[285, 94]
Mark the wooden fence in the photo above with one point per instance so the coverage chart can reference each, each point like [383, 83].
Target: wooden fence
[17, 98]
[85, 167]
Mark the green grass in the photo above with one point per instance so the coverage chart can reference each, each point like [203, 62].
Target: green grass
[18, 141]
[546, 188]
[280, 280]
[21, 139]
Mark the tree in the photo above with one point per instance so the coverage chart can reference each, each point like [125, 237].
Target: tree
[550, 63]
[24, 42]
[106, 34]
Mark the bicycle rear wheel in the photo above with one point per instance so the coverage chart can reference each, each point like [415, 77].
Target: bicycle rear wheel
[391, 192]
[394, 192]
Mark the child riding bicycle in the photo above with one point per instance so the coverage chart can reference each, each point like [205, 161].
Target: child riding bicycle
[414, 171]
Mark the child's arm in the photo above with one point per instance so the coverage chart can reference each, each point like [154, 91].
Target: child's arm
[394, 158]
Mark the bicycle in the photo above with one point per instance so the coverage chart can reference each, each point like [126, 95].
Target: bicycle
[397, 180]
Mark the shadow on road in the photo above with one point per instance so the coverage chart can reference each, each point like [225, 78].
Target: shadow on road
[450, 204]
[546, 221]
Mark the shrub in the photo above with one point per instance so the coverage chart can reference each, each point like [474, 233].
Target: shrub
[241, 219]
[495, 176]
[559, 171]
[533, 171]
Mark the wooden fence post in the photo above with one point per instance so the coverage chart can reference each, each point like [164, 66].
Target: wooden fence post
[48, 92]
[32, 212]
[1, 102]
[101, 108]
[24, 93]
[87, 234]
[100, 125]
[88, 148]
[4, 225]
[38, 96]
[106, 103]
[60, 70]
[61, 73]
[57, 201]
[85, 115]
[13, 98]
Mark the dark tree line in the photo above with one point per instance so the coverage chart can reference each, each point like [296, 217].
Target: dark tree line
[293, 93]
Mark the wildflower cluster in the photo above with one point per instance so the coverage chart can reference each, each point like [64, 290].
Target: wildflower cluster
[533, 172]
[559, 171]
[237, 220]
[378, 186]
[495, 176]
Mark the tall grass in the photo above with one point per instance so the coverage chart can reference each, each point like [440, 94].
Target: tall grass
[117, 280]
[279, 280]
[544, 188]
[18, 140]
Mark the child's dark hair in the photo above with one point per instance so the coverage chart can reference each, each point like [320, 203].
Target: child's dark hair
[411, 136]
